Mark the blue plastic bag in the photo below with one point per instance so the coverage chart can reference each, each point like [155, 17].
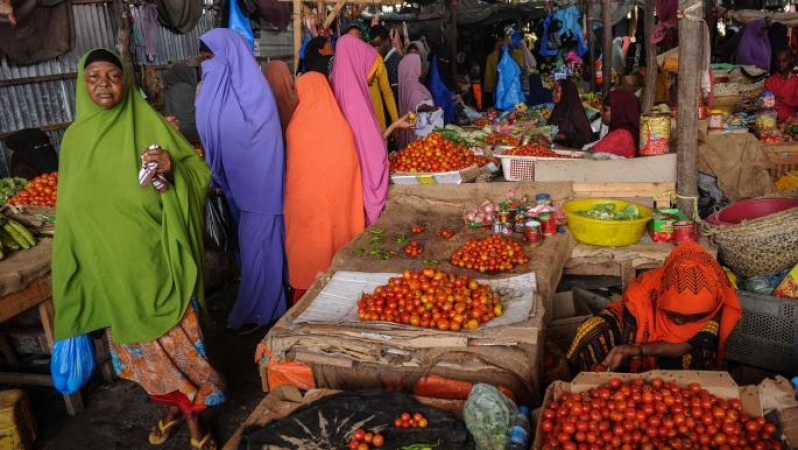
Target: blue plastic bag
[72, 363]
[240, 24]
[508, 88]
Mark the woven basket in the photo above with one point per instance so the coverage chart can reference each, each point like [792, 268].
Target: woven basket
[758, 247]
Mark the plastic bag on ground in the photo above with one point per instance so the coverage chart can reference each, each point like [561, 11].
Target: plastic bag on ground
[489, 415]
[72, 363]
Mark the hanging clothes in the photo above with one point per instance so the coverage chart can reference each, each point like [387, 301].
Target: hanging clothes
[41, 33]
[441, 94]
[571, 27]
[180, 16]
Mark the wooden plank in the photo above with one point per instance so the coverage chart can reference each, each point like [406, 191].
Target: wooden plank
[691, 31]
[26, 378]
[606, 65]
[297, 14]
[15, 303]
[651, 57]
[649, 169]
[654, 190]
[47, 314]
[339, 5]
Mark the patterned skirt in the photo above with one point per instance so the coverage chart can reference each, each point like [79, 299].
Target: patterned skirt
[174, 368]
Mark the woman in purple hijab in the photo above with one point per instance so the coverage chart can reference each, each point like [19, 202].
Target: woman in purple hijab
[239, 125]
[754, 46]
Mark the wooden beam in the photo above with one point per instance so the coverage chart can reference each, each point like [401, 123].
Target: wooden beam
[606, 25]
[36, 292]
[339, 5]
[650, 90]
[591, 43]
[321, 10]
[454, 45]
[297, 15]
[691, 47]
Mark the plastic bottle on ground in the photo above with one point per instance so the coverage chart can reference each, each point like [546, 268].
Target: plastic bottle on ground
[521, 430]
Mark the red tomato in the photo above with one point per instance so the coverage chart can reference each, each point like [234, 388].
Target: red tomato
[378, 440]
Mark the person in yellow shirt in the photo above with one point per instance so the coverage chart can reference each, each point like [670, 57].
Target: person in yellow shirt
[382, 95]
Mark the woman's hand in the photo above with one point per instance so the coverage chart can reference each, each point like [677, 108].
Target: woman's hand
[159, 156]
[618, 356]
[406, 122]
[543, 139]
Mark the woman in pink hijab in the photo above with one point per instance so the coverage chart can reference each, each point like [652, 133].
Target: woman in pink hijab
[414, 97]
[355, 62]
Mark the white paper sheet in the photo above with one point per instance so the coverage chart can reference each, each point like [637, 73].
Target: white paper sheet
[337, 302]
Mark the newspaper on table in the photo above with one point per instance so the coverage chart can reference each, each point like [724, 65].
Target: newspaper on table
[337, 302]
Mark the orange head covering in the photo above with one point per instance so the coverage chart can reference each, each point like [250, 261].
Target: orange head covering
[690, 282]
[282, 84]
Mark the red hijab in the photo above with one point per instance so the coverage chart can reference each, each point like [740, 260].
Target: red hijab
[625, 113]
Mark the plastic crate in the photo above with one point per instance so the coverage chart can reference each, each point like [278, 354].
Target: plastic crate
[767, 334]
[522, 168]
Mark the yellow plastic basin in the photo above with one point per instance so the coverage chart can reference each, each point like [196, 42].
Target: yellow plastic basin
[605, 233]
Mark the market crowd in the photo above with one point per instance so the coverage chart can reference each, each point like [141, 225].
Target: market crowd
[303, 164]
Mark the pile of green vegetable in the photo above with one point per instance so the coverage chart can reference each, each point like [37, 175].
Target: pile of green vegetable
[9, 187]
[608, 211]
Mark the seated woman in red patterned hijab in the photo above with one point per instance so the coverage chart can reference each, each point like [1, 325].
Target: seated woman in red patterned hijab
[675, 317]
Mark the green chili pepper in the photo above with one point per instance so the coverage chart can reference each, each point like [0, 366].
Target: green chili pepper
[421, 446]
[376, 240]
[401, 239]
[376, 230]
[430, 262]
[358, 251]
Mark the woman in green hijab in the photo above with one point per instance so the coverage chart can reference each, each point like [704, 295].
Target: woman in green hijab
[128, 257]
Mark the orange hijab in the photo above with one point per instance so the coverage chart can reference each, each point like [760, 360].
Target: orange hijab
[690, 282]
[282, 84]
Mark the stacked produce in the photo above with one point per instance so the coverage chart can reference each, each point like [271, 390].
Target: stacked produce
[609, 212]
[434, 153]
[491, 254]
[14, 236]
[40, 191]
[431, 298]
[9, 187]
[502, 139]
[654, 414]
[535, 150]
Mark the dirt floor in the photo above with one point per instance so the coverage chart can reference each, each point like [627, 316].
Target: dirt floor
[119, 416]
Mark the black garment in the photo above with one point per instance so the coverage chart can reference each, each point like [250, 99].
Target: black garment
[32, 153]
[570, 117]
[180, 16]
[181, 88]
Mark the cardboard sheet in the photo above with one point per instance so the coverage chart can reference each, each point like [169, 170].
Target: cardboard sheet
[337, 302]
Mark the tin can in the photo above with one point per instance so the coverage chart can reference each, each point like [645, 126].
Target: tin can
[518, 227]
[547, 224]
[685, 230]
[503, 216]
[543, 199]
[532, 233]
[715, 120]
[498, 227]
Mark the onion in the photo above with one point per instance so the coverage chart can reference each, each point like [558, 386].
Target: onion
[470, 216]
[488, 207]
[479, 217]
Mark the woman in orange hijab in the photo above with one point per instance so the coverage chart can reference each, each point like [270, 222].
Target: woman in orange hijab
[323, 194]
[282, 84]
[675, 317]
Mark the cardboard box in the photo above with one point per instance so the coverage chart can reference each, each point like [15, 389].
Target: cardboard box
[720, 384]
[650, 169]
[569, 312]
[466, 175]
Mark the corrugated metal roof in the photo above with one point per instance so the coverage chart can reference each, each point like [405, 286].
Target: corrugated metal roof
[170, 46]
[46, 102]
[276, 44]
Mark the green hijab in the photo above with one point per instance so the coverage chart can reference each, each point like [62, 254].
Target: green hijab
[125, 256]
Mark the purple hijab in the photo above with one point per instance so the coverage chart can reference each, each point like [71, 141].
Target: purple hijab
[354, 60]
[238, 122]
[754, 46]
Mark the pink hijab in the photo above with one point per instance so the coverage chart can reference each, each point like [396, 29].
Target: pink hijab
[411, 91]
[354, 60]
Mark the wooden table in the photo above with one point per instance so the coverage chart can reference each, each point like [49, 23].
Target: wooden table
[25, 284]
[623, 262]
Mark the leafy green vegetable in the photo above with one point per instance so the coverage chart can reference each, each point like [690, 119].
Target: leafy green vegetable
[607, 211]
[9, 187]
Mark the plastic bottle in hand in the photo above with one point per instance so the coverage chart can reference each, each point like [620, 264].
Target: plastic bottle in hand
[519, 433]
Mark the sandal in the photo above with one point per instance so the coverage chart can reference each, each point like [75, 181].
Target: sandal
[165, 429]
[205, 441]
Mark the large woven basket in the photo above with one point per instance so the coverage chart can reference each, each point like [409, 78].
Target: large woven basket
[760, 246]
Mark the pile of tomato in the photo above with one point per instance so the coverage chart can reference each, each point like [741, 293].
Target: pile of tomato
[365, 440]
[445, 233]
[502, 139]
[405, 420]
[40, 191]
[534, 150]
[413, 249]
[491, 254]
[431, 298]
[434, 153]
[653, 414]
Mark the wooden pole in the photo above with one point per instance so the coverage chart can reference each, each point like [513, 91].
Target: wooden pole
[334, 13]
[650, 90]
[606, 65]
[691, 49]
[321, 7]
[591, 43]
[454, 42]
[297, 14]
